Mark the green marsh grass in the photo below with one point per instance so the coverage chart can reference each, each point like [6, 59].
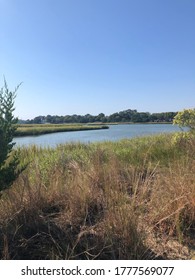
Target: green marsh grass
[132, 199]
[39, 129]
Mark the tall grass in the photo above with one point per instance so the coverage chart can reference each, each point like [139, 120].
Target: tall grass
[132, 199]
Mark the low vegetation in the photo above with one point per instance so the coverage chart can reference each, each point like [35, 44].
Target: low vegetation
[34, 130]
[132, 199]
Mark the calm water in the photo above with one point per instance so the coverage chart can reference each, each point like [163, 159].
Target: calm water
[114, 133]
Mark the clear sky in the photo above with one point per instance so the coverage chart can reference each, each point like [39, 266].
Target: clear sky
[93, 56]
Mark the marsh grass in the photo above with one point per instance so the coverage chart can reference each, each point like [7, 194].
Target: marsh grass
[35, 129]
[111, 200]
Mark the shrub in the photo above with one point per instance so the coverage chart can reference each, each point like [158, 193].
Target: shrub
[185, 118]
[8, 158]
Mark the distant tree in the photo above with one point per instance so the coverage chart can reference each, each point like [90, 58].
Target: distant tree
[123, 116]
[48, 118]
[114, 118]
[127, 115]
[8, 159]
[38, 120]
[100, 118]
[144, 117]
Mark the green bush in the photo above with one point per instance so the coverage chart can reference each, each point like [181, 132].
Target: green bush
[8, 158]
[185, 118]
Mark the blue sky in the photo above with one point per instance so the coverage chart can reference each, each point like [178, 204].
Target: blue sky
[93, 56]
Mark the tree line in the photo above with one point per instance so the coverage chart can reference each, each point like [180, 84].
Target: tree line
[122, 116]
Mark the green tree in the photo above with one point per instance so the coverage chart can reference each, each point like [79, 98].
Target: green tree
[8, 157]
[185, 118]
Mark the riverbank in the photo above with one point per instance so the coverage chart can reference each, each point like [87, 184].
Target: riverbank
[131, 199]
[35, 130]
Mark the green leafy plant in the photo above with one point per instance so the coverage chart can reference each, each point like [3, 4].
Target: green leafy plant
[185, 118]
[8, 157]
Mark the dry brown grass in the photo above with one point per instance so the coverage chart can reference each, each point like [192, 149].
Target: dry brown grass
[98, 202]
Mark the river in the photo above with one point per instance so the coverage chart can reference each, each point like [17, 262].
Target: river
[114, 133]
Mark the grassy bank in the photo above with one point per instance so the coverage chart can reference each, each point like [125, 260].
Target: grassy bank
[35, 130]
[132, 199]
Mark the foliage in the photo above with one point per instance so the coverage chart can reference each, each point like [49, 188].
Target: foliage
[122, 116]
[185, 118]
[8, 159]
